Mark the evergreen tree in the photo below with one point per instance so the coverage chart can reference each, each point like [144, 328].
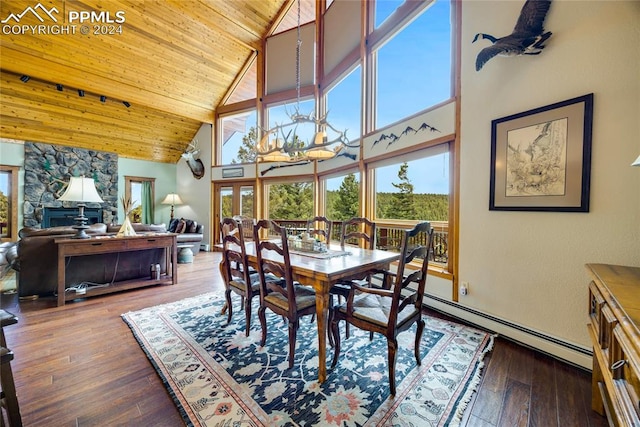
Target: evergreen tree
[291, 201]
[403, 206]
[345, 205]
[4, 207]
[247, 152]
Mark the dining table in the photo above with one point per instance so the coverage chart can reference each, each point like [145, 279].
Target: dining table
[321, 270]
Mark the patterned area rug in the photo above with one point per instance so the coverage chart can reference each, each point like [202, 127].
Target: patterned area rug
[217, 376]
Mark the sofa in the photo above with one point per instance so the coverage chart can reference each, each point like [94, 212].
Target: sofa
[36, 261]
[190, 232]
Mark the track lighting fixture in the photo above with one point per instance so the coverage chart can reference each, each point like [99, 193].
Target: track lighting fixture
[60, 88]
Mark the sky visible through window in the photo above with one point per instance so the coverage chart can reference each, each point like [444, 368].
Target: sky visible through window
[415, 73]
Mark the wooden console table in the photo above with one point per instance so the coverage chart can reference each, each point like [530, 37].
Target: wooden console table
[110, 244]
[614, 311]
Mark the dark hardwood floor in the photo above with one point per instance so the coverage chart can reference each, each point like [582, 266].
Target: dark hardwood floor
[79, 365]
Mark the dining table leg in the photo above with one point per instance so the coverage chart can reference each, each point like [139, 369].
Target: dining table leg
[322, 315]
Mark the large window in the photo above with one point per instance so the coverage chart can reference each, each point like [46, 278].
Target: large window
[414, 186]
[239, 135]
[342, 196]
[414, 66]
[344, 104]
[8, 202]
[290, 200]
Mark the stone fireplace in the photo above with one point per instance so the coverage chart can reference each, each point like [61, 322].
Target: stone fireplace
[55, 217]
[47, 171]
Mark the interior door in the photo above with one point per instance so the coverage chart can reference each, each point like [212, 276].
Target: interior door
[232, 199]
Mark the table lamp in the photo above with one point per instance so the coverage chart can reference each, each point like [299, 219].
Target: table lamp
[83, 190]
[172, 199]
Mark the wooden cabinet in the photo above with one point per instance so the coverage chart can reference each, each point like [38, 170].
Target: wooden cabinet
[614, 311]
[111, 244]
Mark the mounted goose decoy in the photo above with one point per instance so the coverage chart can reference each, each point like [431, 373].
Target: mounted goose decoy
[527, 38]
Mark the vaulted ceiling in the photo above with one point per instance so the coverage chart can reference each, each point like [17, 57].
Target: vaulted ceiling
[173, 62]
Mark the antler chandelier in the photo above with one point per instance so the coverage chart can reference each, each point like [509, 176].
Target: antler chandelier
[283, 143]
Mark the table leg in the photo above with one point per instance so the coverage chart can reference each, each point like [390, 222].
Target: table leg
[322, 315]
[61, 278]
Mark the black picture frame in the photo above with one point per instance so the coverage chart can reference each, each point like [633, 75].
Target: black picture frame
[541, 158]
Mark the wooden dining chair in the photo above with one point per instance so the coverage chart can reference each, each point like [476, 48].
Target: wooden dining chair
[237, 274]
[319, 227]
[288, 299]
[247, 226]
[391, 311]
[361, 232]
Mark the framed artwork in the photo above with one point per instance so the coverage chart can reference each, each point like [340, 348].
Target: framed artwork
[232, 172]
[541, 158]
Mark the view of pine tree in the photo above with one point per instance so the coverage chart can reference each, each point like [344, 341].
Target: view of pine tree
[345, 203]
[4, 207]
[291, 201]
[403, 206]
[227, 206]
[246, 207]
[136, 214]
[247, 151]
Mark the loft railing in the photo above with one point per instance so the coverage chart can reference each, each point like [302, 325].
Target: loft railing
[388, 237]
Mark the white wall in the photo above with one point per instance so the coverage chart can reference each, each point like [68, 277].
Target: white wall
[196, 193]
[528, 267]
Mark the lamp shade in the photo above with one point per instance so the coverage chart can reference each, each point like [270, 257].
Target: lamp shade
[172, 199]
[81, 189]
[636, 162]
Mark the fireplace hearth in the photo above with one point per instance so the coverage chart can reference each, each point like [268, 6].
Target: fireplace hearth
[55, 217]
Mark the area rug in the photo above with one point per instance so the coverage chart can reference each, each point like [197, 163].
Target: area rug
[219, 377]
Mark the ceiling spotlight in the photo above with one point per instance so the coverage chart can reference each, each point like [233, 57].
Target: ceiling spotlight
[59, 87]
[24, 78]
[80, 93]
[103, 98]
[126, 104]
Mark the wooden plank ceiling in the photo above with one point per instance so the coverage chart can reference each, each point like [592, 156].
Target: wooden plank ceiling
[173, 63]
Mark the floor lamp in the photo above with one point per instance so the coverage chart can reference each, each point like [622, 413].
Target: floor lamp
[172, 199]
[82, 190]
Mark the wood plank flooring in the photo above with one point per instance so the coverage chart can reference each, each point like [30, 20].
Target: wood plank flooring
[79, 365]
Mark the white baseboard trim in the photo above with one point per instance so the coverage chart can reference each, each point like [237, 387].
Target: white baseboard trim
[568, 352]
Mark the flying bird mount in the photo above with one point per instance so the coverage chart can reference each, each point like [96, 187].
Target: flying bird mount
[527, 38]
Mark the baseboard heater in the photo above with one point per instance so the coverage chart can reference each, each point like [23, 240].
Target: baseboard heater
[581, 357]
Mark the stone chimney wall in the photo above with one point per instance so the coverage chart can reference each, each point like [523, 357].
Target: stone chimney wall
[48, 169]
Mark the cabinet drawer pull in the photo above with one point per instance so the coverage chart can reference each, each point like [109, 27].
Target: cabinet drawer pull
[618, 364]
[96, 244]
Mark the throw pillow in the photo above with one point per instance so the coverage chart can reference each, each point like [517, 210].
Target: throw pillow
[173, 224]
[187, 226]
[193, 228]
[181, 226]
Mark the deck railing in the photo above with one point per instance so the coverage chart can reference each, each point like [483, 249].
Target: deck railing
[387, 237]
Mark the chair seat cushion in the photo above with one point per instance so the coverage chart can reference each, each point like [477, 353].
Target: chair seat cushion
[255, 282]
[305, 298]
[375, 309]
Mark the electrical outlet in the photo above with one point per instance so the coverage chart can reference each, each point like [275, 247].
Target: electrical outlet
[464, 288]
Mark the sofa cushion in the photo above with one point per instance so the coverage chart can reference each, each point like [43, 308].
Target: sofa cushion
[182, 224]
[173, 224]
